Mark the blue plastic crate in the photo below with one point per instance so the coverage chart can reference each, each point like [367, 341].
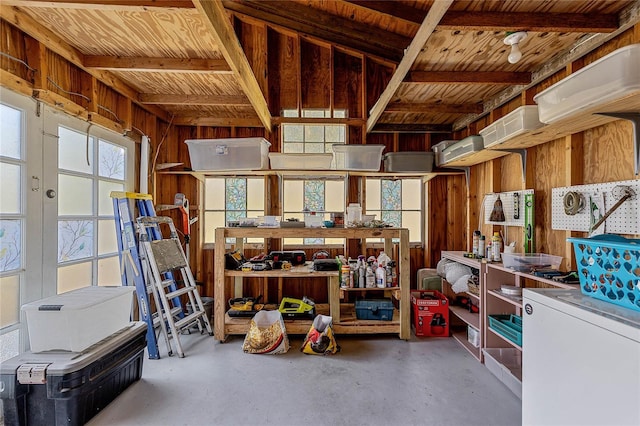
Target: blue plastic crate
[508, 326]
[609, 268]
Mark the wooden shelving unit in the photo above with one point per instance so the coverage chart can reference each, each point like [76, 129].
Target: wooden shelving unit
[229, 283]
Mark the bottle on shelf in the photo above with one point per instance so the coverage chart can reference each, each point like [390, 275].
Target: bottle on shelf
[392, 275]
[496, 247]
[361, 272]
[481, 246]
[476, 240]
[370, 276]
[381, 276]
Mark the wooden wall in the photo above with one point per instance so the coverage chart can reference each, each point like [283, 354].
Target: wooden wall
[293, 74]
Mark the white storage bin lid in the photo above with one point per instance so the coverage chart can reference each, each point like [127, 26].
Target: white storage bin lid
[300, 161]
[365, 157]
[79, 299]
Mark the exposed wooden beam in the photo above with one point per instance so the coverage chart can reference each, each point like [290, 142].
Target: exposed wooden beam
[469, 77]
[219, 100]
[420, 108]
[411, 128]
[539, 22]
[53, 42]
[189, 120]
[315, 23]
[141, 5]
[122, 63]
[500, 21]
[221, 29]
[429, 24]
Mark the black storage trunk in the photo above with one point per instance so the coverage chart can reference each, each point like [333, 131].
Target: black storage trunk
[75, 386]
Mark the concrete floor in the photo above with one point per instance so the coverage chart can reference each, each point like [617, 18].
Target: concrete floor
[374, 380]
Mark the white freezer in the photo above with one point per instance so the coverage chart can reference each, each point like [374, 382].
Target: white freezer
[581, 360]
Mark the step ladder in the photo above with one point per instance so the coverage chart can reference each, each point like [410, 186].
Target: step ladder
[131, 269]
[161, 258]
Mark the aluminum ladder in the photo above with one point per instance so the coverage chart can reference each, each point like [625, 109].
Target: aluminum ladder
[163, 259]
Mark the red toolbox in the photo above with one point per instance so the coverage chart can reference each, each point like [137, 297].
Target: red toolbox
[430, 313]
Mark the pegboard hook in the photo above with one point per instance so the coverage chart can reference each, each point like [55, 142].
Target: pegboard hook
[627, 193]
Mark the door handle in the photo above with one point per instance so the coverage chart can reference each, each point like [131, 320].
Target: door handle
[51, 193]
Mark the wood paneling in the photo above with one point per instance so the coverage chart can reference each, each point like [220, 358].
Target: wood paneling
[348, 87]
[316, 75]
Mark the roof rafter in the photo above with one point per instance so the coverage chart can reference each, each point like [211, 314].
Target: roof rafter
[122, 63]
[469, 77]
[222, 31]
[218, 100]
[418, 108]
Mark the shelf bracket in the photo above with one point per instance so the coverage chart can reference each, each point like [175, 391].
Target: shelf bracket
[634, 117]
[467, 173]
[523, 160]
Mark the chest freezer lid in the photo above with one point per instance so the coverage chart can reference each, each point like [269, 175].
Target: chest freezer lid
[618, 319]
[63, 362]
[79, 299]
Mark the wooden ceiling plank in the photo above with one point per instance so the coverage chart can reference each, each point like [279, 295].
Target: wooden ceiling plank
[395, 9]
[197, 120]
[411, 128]
[539, 22]
[436, 12]
[222, 31]
[122, 63]
[469, 77]
[130, 5]
[419, 108]
[217, 100]
[362, 39]
[54, 43]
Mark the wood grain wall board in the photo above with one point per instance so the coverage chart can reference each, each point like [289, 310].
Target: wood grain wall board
[444, 93]
[153, 33]
[348, 84]
[350, 11]
[316, 71]
[181, 83]
[413, 142]
[607, 153]
[485, 51]
[376, 79]
[284, 71]
[253, 39]
[13, 43]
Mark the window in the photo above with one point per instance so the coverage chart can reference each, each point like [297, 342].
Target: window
[228, 199]
[321, 197]
[12, 226]
[397, 202]
[310, 137]
[89, 168]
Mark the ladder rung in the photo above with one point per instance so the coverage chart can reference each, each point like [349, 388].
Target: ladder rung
[188, 319]
[179, 292]
[156, 317]
[166, 283]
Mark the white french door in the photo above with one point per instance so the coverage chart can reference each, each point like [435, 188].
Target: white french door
[56, 216]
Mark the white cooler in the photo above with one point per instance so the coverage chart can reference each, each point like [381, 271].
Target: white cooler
[75, 320]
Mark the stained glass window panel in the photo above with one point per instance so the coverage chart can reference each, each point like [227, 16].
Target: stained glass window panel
[391, 194]
[75, 239]
[111, 160]
[10, 245]
[314, 195]
[236, 194]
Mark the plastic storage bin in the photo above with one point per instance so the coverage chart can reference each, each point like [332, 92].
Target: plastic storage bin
[280, 161]
[75, 320]
[609, 268]
[508, 326]
[357, 157]
[506, 365]
[228, 154]
[71, 388]
[530, 262]
[374, 309]
[438, 148]
[517, 122]
[609, 78]
[462, 149]
[414, 161]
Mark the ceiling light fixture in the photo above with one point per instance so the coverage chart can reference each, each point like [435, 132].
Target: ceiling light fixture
[513, 39]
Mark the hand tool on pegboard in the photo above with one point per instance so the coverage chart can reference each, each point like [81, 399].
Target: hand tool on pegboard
[529, 227]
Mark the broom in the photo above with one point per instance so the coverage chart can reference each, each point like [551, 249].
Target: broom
[497, 214]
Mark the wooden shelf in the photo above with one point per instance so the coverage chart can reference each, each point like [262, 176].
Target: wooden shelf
[344, 318]
[461, 337]
[476, 158]
[466, 316]
[514, 300]
[504, 338]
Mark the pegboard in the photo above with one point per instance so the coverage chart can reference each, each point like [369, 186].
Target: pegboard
[508, 206]
[624, 220]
